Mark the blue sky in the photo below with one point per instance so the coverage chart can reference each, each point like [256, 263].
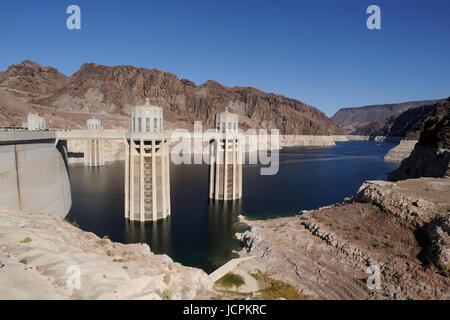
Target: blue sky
[316, 51]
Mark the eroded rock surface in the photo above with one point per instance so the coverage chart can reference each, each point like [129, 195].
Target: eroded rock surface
[431, 154]
[37, 252]
[439, 251]
[110, 92]
[327, 252]
[401, 151]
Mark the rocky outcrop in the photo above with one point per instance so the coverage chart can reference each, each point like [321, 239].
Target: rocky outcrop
[431, 154]
[41, 255]
[351, 119]
[406, 201]
[423, 162]
[331, 252]
[439, 251]
[32, 77]
[401, 151]
[113, 91]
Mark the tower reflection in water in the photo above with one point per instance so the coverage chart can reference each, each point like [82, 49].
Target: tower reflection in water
[154, 233]
[165, 236]
[223, 220]
[200, 233]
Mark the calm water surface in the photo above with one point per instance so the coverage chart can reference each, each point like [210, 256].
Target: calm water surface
[200, 233]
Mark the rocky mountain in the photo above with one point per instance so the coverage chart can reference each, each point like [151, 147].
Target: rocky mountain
[350, 119]
[431, 155]
[32, 77]
[111, 92]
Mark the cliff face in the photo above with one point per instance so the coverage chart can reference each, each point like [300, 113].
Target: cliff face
[111, 92]
[431, 155]
[401, 151]
[351, 119]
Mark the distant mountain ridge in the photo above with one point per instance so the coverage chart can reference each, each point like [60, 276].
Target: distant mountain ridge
[407, 125]
[351, 119]
[111, 92]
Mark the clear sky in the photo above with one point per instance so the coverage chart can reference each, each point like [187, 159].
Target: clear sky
[316, 51]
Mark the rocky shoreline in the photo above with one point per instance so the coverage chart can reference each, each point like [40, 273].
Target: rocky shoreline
[401, 228]
[401, 151]
[431, 155]
[39, 253]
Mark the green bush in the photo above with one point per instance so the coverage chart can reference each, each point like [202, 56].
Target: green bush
[26, 240]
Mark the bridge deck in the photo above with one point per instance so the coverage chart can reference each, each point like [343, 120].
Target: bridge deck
[25, 136]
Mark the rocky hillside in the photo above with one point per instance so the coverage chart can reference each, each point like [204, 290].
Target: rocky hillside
[33, 78]
[38, 254]
[431, 154]
[331, 253]
[350, 119]
[111, 92]
[407, 125]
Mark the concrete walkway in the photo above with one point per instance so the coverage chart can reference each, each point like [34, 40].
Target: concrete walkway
[227, 267]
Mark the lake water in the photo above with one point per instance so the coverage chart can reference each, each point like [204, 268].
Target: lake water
[200, 233]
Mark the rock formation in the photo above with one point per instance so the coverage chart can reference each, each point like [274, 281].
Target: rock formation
[439, 251]
[431, 156]
[401, 151]
[39, 253]
[110, 92]
[400, 229]
[29, 77]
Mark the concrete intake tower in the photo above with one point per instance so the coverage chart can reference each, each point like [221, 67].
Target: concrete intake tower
[93, 154]
[147, 179]
[225, 152]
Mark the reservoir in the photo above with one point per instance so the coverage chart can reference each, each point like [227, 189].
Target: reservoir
[200, 233]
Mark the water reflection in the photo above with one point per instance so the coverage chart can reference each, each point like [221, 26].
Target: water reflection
[157, 234]
[222, 220]
[200, 232]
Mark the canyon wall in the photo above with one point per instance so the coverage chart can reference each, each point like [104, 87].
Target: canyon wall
[431, 154]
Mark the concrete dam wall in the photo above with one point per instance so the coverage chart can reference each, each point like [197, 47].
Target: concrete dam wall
[34, 178]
